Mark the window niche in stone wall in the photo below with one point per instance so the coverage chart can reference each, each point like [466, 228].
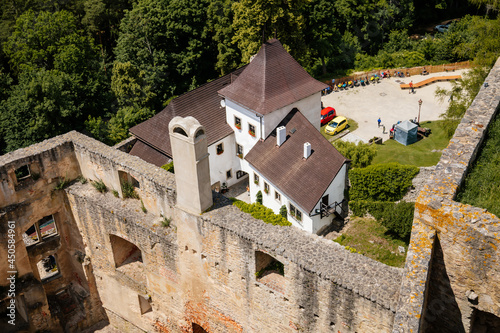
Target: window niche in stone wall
[198, 329]
[128, 184]
[269, 271]
[26, 176]
[127, 257]
[41, 230]
[145, 304]
[47, 268]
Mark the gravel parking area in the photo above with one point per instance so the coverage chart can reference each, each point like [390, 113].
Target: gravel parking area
[389, 102]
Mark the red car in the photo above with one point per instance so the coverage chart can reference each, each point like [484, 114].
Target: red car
[327, 114]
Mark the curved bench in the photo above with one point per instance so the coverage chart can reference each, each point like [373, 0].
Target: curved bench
[431, 80]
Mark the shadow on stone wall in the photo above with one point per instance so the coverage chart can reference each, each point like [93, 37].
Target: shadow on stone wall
[442, 313]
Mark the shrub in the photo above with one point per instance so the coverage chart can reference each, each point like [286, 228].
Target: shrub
[100, 186]
[62, 183]
[115, 193]
[128, 191]
[283, 211]
[258, 197]
[166, 222]
[360, 154]
[396, 217]
[261, 212]
[169, 167]
[381, 182]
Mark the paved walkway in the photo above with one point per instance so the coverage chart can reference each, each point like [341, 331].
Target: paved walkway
[389, 102]
[239, 191]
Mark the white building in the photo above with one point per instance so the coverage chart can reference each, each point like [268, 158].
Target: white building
[263, 121]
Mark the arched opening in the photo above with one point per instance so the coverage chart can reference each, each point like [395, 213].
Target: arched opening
[124, 252]
[198, 329]
[199, 133]
[269, 271]
[180, 131]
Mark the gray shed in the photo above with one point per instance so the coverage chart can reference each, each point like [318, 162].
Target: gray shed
[406, 133]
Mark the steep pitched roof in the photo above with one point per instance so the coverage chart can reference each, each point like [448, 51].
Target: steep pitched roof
[304, 181]
[272, 80]
[203, 103]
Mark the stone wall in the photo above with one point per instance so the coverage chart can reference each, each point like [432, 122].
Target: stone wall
[452, 271]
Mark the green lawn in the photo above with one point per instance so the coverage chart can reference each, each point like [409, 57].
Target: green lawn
[482, 185]
[368, 237]
[419, 153]
[352, 127]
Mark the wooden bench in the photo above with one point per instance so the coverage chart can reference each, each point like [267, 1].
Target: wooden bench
[431, 80]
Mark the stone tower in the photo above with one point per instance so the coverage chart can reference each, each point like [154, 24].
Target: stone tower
[192, 170]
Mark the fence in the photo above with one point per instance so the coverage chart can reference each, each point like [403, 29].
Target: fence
[411, 71]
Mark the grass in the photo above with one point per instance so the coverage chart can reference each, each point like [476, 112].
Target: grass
[482, 185]
[128, 191]
[368, 237]
[420, 153]
[100, 186]
[352, 126]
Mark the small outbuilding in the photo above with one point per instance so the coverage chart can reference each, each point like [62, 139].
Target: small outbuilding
[406, 133]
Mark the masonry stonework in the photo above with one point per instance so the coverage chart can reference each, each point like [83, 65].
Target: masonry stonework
[145, 264]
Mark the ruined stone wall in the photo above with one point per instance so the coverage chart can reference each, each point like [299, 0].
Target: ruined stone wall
[452, 268]
[44, 305]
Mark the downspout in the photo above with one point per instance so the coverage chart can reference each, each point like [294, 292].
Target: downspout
[260, 127]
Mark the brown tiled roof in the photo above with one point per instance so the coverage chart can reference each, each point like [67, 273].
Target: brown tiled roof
[149, 154]
[272, 80]
[304, 181]
[202, 103]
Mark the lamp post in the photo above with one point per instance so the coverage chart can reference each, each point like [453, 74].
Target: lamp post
[419, 105]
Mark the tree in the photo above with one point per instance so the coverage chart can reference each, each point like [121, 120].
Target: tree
[360, 154]
[45, 103]
[169, 42]
[51, 41]
[258, 20]
[258, 197]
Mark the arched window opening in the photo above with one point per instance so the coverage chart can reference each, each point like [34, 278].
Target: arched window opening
[199, 133]
[124, 252]
[180, 131]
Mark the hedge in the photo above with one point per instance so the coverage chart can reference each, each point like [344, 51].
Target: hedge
[261, 212]
[396, 217]
[381, 182]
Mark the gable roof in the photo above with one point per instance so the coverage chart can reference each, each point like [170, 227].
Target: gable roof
[272, 80]
[304, 181]
[202, 103]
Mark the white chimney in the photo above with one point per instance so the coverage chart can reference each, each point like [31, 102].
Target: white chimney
[307, 150]
[280, 135]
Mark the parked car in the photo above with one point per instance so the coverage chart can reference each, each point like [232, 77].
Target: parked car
[327, 114]
[336, 125]
[442, 27]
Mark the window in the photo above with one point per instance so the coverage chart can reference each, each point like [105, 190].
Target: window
[47, 268]
[239, 151]
[229, 174]
[237, 122]
[124, 252]
[266, 188]
[220, 148]
[269, 271]
[240, 174]
[22, 172]
[40, 230]
[256, 179]
[277, 196]
[145, 304]
[251, 130]
[295, 213]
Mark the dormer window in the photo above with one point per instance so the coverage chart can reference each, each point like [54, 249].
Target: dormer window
[251, 130]
[220, 148]
[237, 122]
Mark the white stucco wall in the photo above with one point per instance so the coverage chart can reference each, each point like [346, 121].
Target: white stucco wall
[219, 164]
[247, 117]
[310, 107]
[311, 224]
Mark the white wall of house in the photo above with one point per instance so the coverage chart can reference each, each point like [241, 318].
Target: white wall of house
[310, 107]
[335, 194]
[311, 224]
[247, 118]
[220, 164]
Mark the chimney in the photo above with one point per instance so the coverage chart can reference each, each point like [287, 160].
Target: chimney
[280, 135]
[307, 150]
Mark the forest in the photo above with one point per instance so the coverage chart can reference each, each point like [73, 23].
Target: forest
[102, 66]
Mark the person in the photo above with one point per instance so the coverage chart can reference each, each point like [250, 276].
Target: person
[379, 121]
[411, 88]
[383, 129]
